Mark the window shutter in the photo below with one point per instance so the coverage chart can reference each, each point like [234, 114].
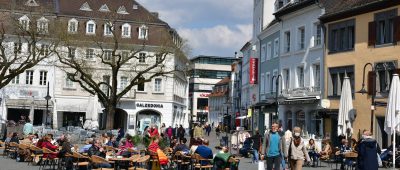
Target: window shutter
[396, 29]
[370, 82]
[371, 33]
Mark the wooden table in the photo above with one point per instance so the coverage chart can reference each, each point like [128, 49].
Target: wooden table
[350, 155]
[118, 161]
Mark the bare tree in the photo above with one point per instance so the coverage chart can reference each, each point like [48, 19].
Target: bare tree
[16, 31]
[101, 61]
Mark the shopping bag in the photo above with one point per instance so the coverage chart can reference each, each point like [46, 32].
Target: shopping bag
[261, 165]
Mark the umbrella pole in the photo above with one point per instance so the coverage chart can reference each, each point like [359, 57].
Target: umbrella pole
[394, 149]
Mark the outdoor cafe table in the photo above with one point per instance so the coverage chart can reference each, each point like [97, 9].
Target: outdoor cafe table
[350, 155]
[119, 160]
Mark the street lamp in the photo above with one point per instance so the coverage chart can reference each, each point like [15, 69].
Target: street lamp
[278, 98]
[363, 91]
[48, 97]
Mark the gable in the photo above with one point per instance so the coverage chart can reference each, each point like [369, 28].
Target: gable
[122, 10]
[85, 7]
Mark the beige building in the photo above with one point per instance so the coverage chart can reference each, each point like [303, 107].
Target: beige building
[360, 32]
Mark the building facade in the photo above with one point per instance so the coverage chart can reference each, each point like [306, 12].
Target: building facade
[162, 100]
[206, 71]
[219, 102]
[368, 34]
[301, 58]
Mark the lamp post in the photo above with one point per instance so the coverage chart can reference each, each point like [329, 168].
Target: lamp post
[48, 97]
[276, 94]
[362, 91]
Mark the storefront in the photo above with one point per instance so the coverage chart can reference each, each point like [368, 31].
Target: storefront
[34, 110]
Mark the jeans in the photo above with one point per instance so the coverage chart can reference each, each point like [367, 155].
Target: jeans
[103, 165]
[314, 156]
[274, 162]
[255, 155]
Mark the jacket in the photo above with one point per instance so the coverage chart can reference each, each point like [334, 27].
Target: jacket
[93, 150]
[265, 146]
[198, 132]
[297, 153]
[367, 154]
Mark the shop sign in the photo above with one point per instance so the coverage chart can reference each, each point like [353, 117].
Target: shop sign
[149, 105]
[204, 94]
[253, 70]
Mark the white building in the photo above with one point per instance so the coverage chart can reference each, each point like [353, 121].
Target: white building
[163, 100]
[301, 61]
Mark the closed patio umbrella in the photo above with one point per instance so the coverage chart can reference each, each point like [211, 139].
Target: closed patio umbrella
[345, 109]
[392, 118]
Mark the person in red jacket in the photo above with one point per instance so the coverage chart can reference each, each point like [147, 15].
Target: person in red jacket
[46, 143]
[154, 145]
[154, 132]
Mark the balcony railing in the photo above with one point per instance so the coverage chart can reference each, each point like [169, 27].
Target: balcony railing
[302, 91]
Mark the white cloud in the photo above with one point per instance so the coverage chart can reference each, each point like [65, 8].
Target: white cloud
[217, 40]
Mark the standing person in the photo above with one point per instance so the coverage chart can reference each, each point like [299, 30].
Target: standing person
[368, 151]
[198, 131]
[175, 131]
[28, 128]
[257, 141]
[169, 133]
[121, 134]
[218, 131]
[181, 132]
[208, 130]
[273, 146]
[162, 129]
[297, 151]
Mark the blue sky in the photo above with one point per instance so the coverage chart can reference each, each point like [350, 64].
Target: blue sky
[212, 27]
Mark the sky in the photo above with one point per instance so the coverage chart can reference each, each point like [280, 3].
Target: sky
[211, 27]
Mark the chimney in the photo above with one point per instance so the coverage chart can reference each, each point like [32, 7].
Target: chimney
[155, 14]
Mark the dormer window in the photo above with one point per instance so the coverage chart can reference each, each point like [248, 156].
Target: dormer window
[91, 27]
[85, 7]
[126, 30]
[143, 32]
[122, 10]
[104, 8]
[43, 25]
[108, 28]
[73, 25]
[24, 22]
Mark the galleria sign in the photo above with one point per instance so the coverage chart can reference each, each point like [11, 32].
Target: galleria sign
[149, 105]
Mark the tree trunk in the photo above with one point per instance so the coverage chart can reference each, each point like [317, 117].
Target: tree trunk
[110, 113]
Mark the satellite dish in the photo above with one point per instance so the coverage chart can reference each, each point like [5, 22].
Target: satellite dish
[325, 103]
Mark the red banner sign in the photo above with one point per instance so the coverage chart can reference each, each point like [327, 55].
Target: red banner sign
[253, 70]
[237, 122]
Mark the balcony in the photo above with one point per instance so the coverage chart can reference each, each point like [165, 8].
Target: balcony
[302, 92]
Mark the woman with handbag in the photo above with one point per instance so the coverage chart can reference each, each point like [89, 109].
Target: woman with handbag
[297, 151]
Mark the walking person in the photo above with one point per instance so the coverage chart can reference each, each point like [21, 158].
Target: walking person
[181, 132]
[257, 141]
[218, 131]
[297, 151]
[273, 146]
[368, 151]
[208, 130]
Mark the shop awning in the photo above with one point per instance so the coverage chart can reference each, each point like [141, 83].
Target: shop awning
[26, 103]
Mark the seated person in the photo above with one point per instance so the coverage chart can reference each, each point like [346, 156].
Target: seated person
[247, 147]
[112, 142]
[181, 147]
[154, 145]
[221, 159]
[14, 138]
[313, 150]
[344, 147]
[85, 148]
[326, 151]
[204, 151]
[97, 150]
[46, 143]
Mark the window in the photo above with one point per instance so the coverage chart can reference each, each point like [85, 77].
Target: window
[123, 82]
[336, 77]
[286, 76]
[274, 73]
[44, 50]
[43, 78]
[276, 47]
[384, 26]
[287, 41]
[73, 25]
[263, 52]
[262, 89]
[15, 80]
[107, 55]
[143, 32]
[105, 86]
[24, 23]
[385, 71]
[108, 28]
[71, 52]
[17, 48]
[269, 49]
[126, 30]
[341, 36]
[317, 34]
[140, 86]
[90, 27]
[68, 82]
[29, 77]
[89, 53]
[301, 33]
[300, 76]
[267, 82]
[157, 84]
[158, 58]
[42, 25]
[317, 74]
[142, 57]
[125, 55]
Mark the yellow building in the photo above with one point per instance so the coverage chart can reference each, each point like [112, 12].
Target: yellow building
[360, 32]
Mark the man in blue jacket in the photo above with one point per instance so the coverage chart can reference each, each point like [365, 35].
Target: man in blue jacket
[273, 146]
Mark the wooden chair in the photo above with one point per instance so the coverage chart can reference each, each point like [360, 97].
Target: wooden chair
[12, 150]
[2, 145]
[141, 163]
[198, 160]
[154, 159]
[25, 148]
[99, 160]
[181, 160]
[36, 153]
[48, 160]
[77, 163]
